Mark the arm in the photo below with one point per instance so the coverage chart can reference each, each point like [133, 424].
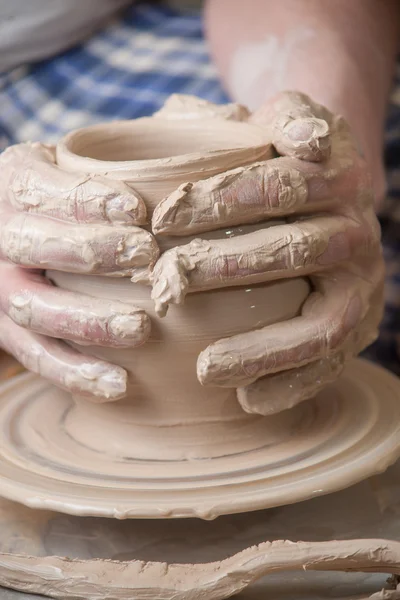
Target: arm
[340, 53]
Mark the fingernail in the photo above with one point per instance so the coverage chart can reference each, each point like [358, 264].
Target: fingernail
[124, 210]
[131, 330]
[203, 363]
[104, 383]
[206, 367]
[306, 129]
[137, 249]
[112, 386]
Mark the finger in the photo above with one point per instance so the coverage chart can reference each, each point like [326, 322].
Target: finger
[33, 303]
[45, 243]
[32, 182]
[281, 251]
[368, 330]
[284, 390]
[274, 188]
[65, 367]
[329, 317]
[276, 393]
[299, 127]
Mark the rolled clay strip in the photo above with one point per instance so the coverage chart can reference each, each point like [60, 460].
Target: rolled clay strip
[139, 580]
[385, 595]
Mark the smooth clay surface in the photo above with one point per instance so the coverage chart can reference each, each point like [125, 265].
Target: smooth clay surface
[167, 414]
[101, 549]
[347, 433]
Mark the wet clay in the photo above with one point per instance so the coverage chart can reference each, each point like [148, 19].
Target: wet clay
[87, 459]
[167, 412]
[368, 510]
[172, 448]
[185, 441]
[155, 155]
[140, 580]
[204, 151]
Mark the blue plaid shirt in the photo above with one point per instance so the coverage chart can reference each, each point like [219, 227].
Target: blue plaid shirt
[127, 71]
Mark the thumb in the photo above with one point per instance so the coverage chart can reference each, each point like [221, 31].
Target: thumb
[300, 128]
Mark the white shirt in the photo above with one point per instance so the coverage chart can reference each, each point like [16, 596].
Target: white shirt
[32, 30]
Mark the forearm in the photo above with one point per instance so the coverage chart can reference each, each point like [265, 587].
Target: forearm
[341, 53]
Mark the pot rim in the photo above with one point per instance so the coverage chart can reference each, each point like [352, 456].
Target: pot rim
[157, 166]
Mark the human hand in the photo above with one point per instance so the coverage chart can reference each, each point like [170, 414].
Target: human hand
[320, 184]
[74, 222]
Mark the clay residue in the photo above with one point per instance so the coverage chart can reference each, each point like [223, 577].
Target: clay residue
[61, 444]
[270, 395]
[181, 106]
[310, 129]
[112, 580]
[298, 127]
[42, 187]
[257, 257]
[386, 594]
[243, 195]
[35, 242]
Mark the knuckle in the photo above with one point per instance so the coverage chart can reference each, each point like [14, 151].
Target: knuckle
[286, 188]
[16, 240]
[302, 247]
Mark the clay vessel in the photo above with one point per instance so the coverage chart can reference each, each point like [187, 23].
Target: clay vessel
[167, 414]
[172, 448]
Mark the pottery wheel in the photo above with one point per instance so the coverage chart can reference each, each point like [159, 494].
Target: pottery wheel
[368, 510]
[346, 434]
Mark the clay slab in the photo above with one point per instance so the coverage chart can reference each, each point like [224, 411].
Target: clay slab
[349, 432]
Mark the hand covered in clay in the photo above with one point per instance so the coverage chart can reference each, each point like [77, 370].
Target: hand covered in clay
[80, 223]
[320, 187]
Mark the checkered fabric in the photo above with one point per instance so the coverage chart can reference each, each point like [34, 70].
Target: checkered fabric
[127, 71]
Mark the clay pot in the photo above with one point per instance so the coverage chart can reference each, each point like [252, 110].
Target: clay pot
[167, 414]
[172, 448]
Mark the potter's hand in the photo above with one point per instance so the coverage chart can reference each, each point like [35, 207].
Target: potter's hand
[332, 236]
[53, 219]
